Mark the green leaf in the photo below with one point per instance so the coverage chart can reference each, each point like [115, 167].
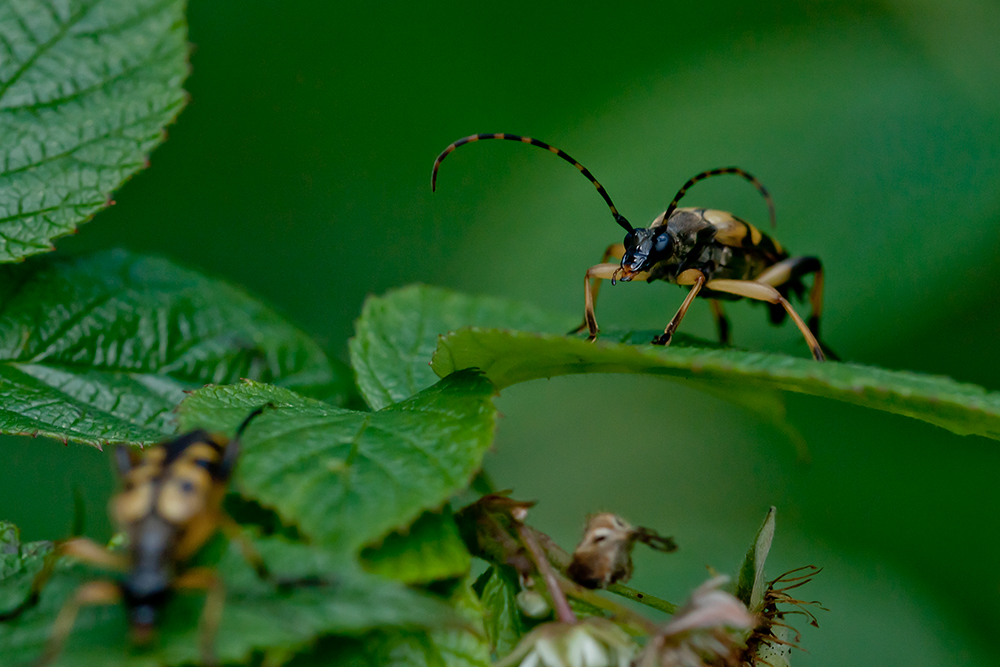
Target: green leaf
[348, 478]
[86, 88]
[394, 648]
[398, 332]
[19, 563]
[750, 582]
[509, 357]
[257, 614]
[102, 348]
[429, 550]
[505, 624]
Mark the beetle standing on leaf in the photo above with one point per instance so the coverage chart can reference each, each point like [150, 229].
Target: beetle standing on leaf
[715, 253]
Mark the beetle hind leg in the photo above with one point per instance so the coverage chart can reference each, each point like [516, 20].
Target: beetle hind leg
[763, 292]
[206, 579]
[788, 272]
[721, 321]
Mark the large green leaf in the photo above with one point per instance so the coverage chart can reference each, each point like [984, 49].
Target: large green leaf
[258, 615]
[86, 88]
[101, 349]
[509, 357]
[398, 332]
[428, 550]
[347, 478]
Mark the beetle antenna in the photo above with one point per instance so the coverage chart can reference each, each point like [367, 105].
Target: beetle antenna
[250, 417]
[619, 218]
[718, 172]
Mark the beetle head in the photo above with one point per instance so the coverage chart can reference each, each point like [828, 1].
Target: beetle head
[645, 247]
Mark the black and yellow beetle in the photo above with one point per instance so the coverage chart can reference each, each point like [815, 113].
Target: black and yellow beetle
[169, 508]
[718, 255]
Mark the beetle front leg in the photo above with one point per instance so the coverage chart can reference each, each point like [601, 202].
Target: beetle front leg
[92, 593]
[598, 272]
[79, 548]
[616, 250]
[697, 280]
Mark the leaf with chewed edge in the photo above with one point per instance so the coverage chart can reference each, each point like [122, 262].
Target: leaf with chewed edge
[347, 478]
[86, 88]
[101, 348]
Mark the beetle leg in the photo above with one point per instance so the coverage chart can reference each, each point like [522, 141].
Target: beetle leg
[90, 552]
[599, 272]
[79, 548]
[204, 578]
[92, 593]
[816, 300]
[234, 533]
[720, 320]
[798, 267]
[616, 250]
[752, 289]
[668, 333]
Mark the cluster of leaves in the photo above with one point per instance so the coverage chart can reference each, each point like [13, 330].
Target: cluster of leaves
[356, 466]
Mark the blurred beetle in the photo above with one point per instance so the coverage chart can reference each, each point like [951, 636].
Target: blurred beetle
[169, 508]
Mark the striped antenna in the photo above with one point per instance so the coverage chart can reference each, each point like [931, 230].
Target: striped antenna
[250, 417]
[619, 218]
[718, 172]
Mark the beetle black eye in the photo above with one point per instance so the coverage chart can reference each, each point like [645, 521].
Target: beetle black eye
[631, 240]
[662, 243]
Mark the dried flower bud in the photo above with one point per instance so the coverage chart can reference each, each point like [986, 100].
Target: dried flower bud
[773, 638]
[489, 530]
[592, 642]
[604, 555]
[708, 631]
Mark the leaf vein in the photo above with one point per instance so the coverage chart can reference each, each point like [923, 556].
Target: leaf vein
[41, 49]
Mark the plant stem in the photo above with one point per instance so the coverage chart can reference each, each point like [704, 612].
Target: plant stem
[617, 611]
[643, 598]
[563, 611]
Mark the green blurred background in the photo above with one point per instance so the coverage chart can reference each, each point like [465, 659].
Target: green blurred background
[301, 169]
